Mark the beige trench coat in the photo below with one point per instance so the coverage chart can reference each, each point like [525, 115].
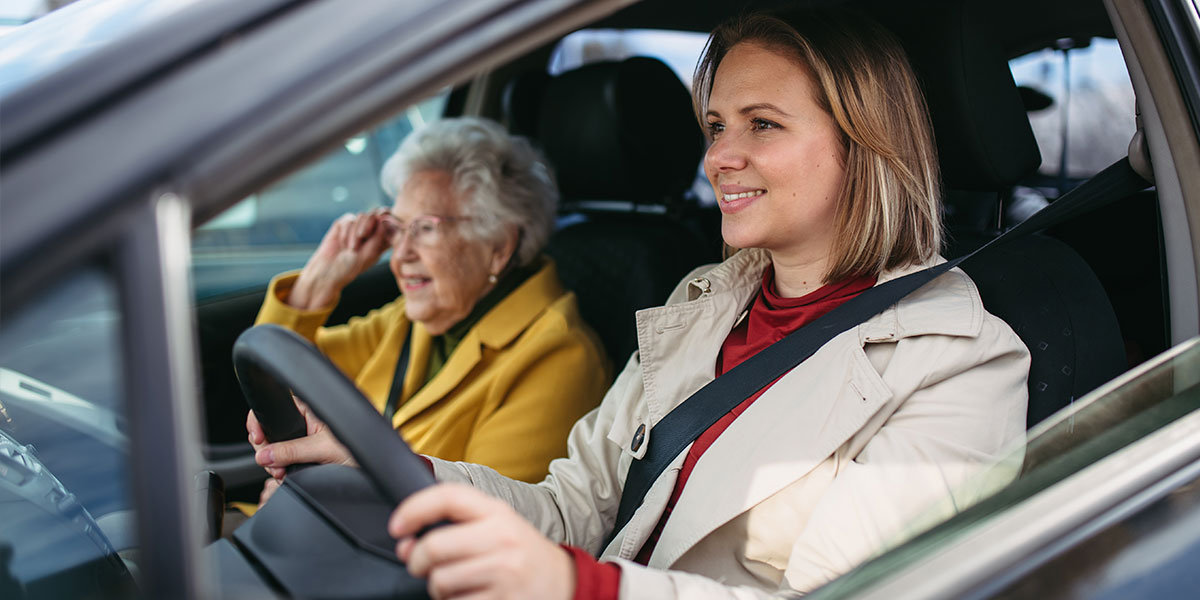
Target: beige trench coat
[841, 458]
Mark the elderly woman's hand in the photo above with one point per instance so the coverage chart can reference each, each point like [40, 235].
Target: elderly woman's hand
[319, 446]
[489, 551]
[353, 243]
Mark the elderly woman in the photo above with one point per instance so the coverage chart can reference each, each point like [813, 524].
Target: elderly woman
[822, 159]
[484, 357]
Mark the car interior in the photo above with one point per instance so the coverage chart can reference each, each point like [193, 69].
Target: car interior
[1089, 296]
[624, 143]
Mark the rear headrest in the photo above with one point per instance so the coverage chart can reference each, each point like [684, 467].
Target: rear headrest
[613, 130]
[983, 133]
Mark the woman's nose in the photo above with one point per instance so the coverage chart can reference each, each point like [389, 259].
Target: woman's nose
[403, 249]
[724, 154]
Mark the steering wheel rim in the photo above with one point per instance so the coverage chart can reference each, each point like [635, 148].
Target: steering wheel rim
[272, 362]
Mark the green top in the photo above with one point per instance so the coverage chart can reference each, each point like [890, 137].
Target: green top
[444, 345]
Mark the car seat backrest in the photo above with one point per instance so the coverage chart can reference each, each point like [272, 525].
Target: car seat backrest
[1039, 285]
[1051, 298]
[620, 130]
[618, 133]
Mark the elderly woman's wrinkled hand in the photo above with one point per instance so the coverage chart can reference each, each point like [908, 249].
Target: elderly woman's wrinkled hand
[318, 446]
[353, 243]
[489, 550]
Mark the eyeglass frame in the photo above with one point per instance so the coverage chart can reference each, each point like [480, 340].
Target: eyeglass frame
[404, 231]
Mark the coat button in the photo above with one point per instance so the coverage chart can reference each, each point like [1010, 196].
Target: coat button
[638, 437]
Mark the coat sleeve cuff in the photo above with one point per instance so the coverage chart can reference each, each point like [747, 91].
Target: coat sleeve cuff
[594, 580]
[275, 308]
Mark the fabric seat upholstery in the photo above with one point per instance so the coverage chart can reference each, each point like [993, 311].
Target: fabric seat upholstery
[1051, 298]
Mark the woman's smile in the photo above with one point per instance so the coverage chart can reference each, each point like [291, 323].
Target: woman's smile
[735, 198]
[411, 284]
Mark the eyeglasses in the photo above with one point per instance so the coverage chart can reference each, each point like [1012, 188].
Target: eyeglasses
[423, 231]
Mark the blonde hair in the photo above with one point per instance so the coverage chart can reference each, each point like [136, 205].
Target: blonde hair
[889, 212]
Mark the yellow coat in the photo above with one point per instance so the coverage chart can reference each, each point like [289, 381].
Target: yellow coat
[506, 397]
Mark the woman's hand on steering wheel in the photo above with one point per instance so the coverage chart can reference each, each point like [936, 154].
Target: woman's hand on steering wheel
[488, 550]
[319, 446]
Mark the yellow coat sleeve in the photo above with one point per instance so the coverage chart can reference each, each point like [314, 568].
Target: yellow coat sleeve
[349, 346]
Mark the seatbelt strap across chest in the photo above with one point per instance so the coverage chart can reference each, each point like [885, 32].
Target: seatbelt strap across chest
[397, 389]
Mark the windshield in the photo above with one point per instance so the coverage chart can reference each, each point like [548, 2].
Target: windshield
[1101, 424]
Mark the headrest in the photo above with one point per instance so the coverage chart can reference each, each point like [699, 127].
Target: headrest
[613, 130]
[521, 102]
[983, 133]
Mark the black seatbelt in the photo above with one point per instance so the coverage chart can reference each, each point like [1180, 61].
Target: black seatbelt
[393, 401]
[696, 414]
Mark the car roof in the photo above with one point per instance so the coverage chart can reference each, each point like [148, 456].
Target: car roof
[1020, 27]
[76, 58]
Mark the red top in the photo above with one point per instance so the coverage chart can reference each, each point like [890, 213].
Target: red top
[770, 318]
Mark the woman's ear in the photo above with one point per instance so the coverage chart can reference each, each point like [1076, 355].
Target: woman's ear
[504, 250]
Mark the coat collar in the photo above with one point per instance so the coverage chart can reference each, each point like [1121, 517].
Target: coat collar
[701, 318]
[920, 313]
[784, 434]
[497, 329]
[512, 315]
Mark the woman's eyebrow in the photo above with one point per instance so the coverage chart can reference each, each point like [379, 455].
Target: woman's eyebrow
[763, 106]
[752, 108]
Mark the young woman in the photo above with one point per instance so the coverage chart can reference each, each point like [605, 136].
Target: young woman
[823, 163]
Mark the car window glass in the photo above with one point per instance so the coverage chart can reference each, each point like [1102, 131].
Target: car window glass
[277, 229]
[1149, 554]
[1098, 427]
[1090, 119]
[680, 50]
[64, 502]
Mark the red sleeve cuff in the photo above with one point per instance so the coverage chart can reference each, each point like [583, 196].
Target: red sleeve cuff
[594, 580]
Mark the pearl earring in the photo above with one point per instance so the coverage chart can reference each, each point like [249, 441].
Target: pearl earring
[492, 279]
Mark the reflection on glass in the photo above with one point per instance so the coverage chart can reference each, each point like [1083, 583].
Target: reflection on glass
[65, 514]
[1151, 554]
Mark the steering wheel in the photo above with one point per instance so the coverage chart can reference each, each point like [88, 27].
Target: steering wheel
[272, 363]
[323, 534]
